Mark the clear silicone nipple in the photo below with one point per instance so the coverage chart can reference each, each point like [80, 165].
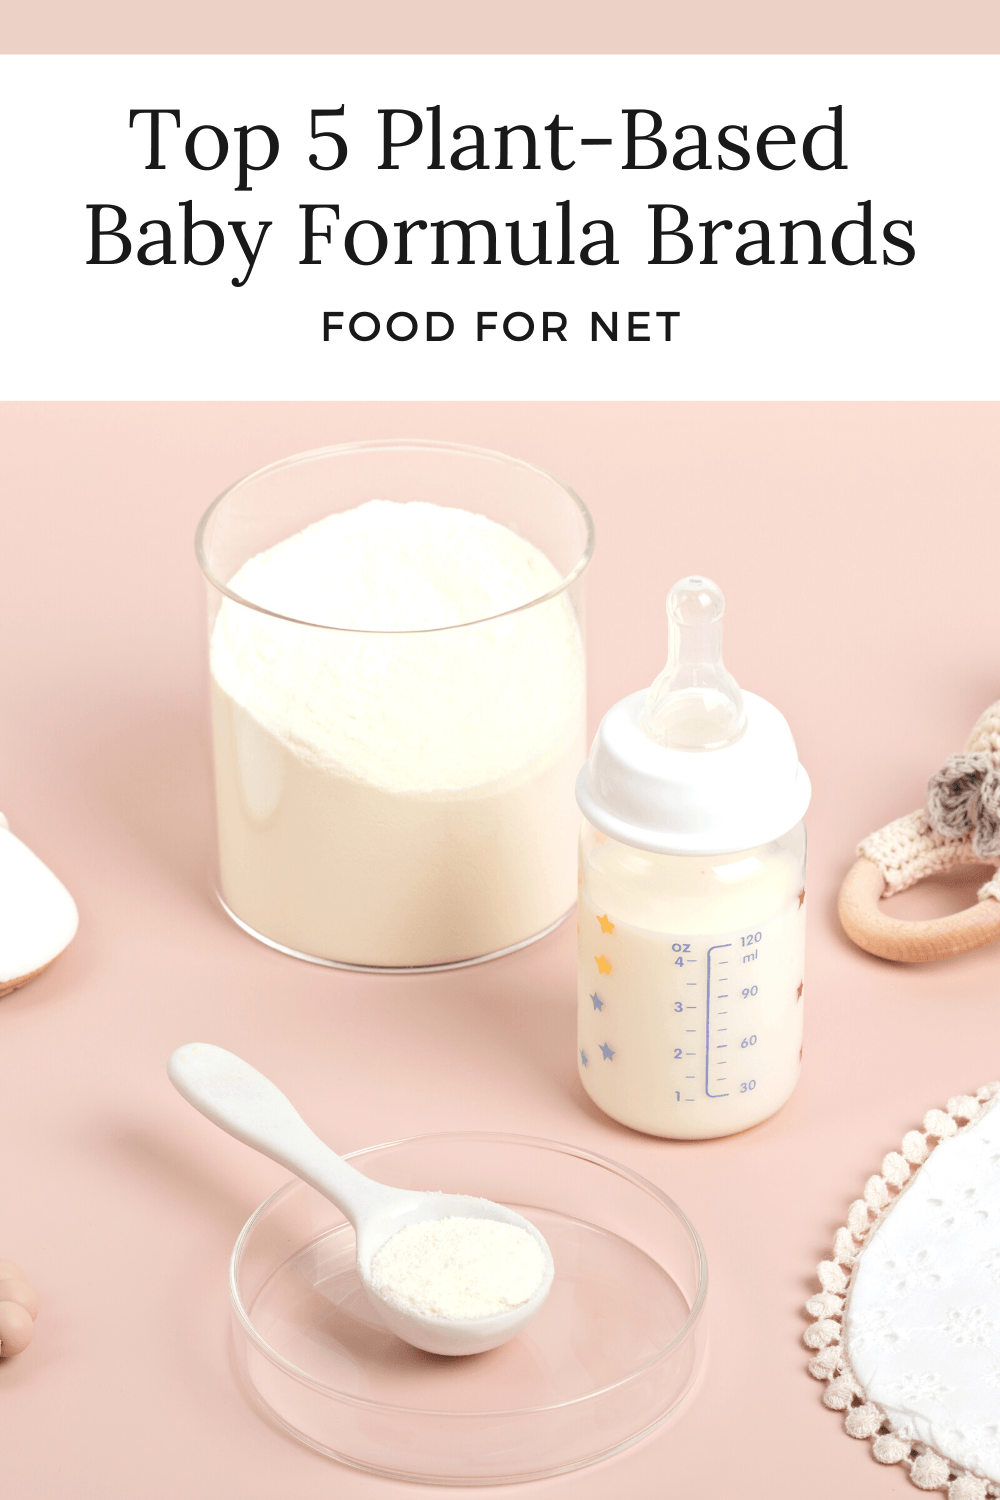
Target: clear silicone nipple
[694, 704]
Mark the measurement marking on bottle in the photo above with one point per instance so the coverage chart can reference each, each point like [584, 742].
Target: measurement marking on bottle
[712, 1089]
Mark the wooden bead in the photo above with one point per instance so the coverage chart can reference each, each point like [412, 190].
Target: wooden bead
[16, 1289]
[16, 1328]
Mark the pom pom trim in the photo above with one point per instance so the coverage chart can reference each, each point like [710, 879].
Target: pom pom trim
[824, 1338]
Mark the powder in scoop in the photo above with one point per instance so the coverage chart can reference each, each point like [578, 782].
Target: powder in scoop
[459, 1268]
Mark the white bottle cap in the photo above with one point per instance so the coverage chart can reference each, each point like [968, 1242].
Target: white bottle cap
[694, 766]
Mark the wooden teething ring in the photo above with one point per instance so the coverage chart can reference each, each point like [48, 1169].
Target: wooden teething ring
[960, 825]
[909, 942]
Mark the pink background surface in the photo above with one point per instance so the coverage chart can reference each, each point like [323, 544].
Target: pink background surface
[857, 547]
[514, 26]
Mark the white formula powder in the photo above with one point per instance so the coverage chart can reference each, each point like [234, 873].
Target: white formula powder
[459, 1268]
[399, 798]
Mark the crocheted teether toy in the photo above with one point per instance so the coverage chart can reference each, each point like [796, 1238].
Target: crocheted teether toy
[959, 826]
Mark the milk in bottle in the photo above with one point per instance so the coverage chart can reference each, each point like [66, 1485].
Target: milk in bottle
[692, 896]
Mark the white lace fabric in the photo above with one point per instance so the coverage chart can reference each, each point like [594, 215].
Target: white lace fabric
[907, 1327]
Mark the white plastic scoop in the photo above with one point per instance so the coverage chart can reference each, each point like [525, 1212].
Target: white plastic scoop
[243, 1102]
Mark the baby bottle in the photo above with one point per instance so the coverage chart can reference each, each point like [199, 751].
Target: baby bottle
[692, 895]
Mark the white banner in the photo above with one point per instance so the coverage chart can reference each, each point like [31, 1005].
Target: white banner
[499, 227]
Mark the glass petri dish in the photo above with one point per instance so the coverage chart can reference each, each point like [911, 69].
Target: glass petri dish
[613, 1351]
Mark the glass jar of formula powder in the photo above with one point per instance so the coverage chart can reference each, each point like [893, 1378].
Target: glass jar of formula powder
[396, 652]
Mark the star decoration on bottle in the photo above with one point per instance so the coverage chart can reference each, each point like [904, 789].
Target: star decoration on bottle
[584, 1058]
[607, 1052]
[598, 1002]
[798, 992]
[606, 926]
[802, 897]
[603, 963]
